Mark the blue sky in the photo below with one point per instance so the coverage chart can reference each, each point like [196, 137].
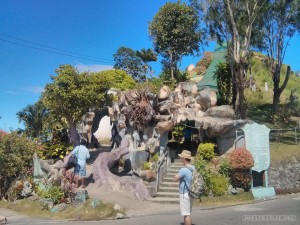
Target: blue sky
[93, 28]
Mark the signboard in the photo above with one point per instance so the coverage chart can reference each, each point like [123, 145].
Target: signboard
[257, 142]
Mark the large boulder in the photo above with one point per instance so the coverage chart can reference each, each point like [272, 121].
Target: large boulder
[207, 98]
[223, 111]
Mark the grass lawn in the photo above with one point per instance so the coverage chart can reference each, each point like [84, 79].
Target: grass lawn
[225, 200]
[84, 212]
[281, 151]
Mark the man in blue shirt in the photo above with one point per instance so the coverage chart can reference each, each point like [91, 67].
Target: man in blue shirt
[184, 177]
[82, 154]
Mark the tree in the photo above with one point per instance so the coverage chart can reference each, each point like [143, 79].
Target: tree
[279, 25]
[175, 32]
[72, 94]
[126, 59]
[233, 21]
[33, 116]
[121, 80]
[147, 55]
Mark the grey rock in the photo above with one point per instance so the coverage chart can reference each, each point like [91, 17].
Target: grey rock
[119, 216]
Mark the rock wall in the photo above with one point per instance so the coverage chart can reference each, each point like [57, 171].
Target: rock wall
[285, 174]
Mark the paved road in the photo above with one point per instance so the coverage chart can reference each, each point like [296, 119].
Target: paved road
[274, 211]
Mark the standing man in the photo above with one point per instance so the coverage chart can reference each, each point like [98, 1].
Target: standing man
[82, 154]
[184, 177]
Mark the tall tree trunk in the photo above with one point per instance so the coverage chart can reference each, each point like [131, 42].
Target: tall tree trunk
[278, 90]
[240, 104]
[73, 135]
[171, 64]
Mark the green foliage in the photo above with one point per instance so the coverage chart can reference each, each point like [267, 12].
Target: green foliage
[241, 158]
[147, 55]
[146, 166]
[33, 116]
[154, 158]
[153, 85]
[224, 168]
[52, 193]
[54, 151]
[206, 150]
[224, 83]
[282, 118]
[177, 132]
[126, 59]
[15, 158]
[76, 92]
[120, 79]
[218, 184]
[175, 31]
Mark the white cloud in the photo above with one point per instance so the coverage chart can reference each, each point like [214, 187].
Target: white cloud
[93, 67]
[34, 89]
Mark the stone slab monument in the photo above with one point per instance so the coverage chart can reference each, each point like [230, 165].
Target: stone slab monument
[257, 142]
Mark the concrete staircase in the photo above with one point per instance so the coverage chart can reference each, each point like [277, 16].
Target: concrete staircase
[168, 189]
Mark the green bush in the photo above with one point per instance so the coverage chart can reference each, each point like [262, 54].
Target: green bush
[206, 150]
[225, 169]
[146, 166]
[54, 151]
[15, 158]
[218, 184]
[52, 193]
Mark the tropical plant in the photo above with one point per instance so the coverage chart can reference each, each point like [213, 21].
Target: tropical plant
[175, 32]
[33, 117]
[147, 55]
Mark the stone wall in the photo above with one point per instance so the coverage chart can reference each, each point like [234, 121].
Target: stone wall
[285, 174]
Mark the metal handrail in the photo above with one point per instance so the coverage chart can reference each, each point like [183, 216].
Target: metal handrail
[158, 170]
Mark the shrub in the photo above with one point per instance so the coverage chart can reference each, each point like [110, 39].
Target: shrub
[206, 150]
[240, 179]
[241, 158]
[218, 184]
[224, 169]
[15, 158]
[154, 158]
[52, 193]
[54, 151]
[146, 166]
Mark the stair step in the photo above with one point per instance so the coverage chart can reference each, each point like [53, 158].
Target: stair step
[171, 170]
[170, 179]
[168, 189]
[165, 200]
[168, 194]
[169, 184]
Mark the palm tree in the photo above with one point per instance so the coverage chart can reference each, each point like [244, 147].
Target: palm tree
[32, 117]
[147, 55]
